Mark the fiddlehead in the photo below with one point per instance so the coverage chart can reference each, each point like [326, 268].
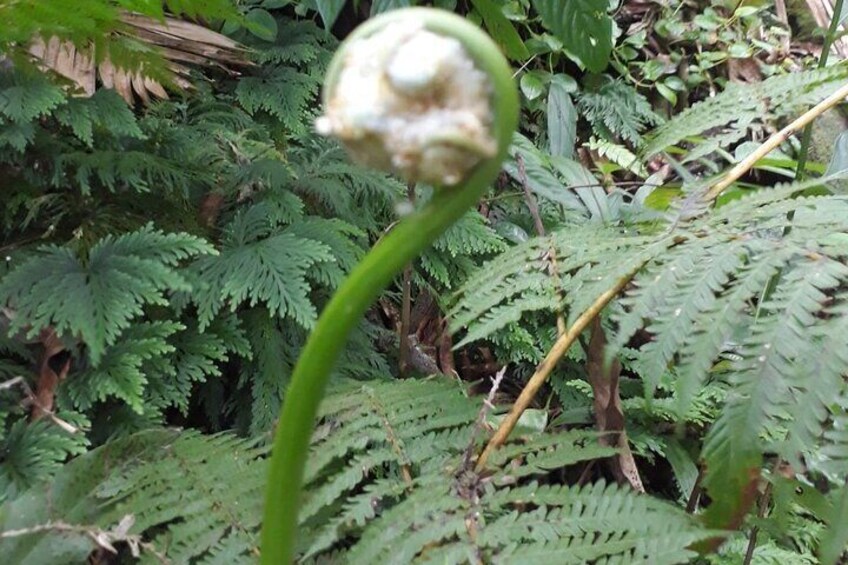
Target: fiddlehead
[425, 94]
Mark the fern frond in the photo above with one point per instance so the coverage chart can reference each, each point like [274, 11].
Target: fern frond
[32, 452]
[588, 523]
[730, 114]
[257, 264]
[616, 109]
[389, 480]
[283, 92]
[761, 380]
[102, 293]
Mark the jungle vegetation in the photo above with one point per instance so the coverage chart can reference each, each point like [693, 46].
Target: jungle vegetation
[633, 349]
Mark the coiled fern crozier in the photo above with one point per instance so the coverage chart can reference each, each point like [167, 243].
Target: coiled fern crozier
[425, 94]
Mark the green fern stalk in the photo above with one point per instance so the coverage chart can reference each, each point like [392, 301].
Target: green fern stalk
[373, 274]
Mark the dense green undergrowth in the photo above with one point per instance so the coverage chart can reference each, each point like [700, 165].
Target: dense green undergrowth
[164, 262]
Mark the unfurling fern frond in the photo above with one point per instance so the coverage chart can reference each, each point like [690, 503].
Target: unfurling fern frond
[390, 480]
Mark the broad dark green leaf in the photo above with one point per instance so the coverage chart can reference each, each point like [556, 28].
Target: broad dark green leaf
[583, 26]
[501, 29]
[329, 10]
[562, 121]
[262, 24]
[531, 85]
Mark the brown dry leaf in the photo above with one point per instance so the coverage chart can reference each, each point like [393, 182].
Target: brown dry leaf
[48, 378]
[609, 415]
[179, 42]
[744, 70]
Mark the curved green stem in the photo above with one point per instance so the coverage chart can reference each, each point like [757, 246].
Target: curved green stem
[377, 269]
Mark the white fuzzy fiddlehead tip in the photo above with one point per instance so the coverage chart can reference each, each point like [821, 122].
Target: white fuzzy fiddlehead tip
[413, 102]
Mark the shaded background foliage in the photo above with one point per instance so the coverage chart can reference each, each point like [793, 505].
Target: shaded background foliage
[169, 236]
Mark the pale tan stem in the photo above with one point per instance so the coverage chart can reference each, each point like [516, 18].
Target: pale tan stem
[546, 366]
[775, 140]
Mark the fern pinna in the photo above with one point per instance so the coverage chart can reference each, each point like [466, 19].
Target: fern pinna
[390, 480]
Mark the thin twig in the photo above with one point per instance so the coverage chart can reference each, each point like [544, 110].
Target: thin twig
[775, 140]
[533, 206]
[406, 306]
[547, 365]
[488, 404]
[695, 495]
[752, 538]
[30, 399]
[103, 539]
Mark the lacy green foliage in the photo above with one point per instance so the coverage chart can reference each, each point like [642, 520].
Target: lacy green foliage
[728, 117]
[33, 452]
[362, 197]
[191, 242]
[101, 293]
[291, 71]
[27, 97]
[259, 264]
[459, 250]
[617, 110]
[698, 289]
[390, 479]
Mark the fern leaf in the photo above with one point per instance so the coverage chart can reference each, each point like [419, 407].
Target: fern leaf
[256, 265]
[761, 379]
[105, 110]
[99, 296]
[617, 109]
[283, 92]
[24, 100]
[740, 105]
[33, 452]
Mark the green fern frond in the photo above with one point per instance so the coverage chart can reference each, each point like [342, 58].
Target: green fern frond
[118, 372]
[619, 155]
[96, 297]
[282, 92]
[389, 480]
[23, 98]
[359, 196]
[616, 109]
[260, 264]
[727, 116]
[298, 43]
[105, 111]
[32, 452]
[700, 288]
